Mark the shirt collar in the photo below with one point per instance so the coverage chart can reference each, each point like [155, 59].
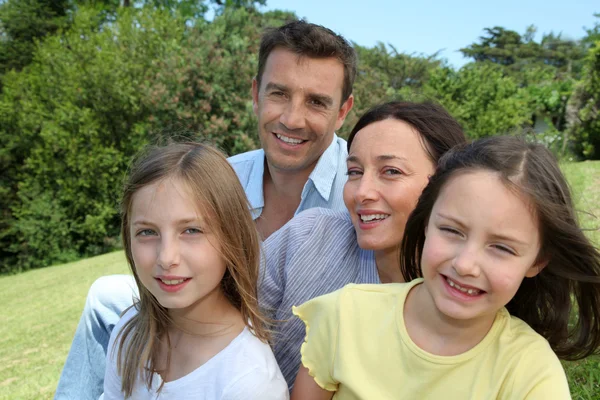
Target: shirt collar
[326, 169]
[254, 188]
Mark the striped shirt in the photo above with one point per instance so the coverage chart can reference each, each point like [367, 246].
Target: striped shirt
[324, 187]
[313, 254]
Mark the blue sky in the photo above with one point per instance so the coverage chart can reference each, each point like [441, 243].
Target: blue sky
[427, 26]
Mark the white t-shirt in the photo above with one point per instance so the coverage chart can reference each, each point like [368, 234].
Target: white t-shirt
[246, 369]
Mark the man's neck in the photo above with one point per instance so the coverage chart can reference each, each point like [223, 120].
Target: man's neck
[282, 192]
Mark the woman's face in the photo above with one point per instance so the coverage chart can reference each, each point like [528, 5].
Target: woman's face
[388, 167]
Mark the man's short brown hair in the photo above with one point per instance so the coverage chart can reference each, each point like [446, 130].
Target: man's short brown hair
[313, 41]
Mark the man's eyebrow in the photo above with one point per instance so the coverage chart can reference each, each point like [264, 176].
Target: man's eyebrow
[275, 86]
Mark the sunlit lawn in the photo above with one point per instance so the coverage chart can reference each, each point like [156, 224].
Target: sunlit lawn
[41, 308]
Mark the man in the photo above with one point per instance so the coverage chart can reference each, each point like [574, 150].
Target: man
[301, 94]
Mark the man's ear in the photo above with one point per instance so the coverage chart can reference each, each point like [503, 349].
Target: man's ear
[255, 90]
[343, 112]
[536, 268]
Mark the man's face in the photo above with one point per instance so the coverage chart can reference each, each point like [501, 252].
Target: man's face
[298, 105]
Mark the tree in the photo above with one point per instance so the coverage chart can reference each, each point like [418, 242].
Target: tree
[22, 23]
[481, 97]
[584, 126]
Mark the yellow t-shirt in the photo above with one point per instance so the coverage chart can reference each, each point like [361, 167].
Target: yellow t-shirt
[357, 343]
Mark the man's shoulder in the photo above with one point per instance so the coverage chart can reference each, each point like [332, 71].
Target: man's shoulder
[249, 166]
[248, 156]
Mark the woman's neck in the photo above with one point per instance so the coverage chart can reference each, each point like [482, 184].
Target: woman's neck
[388, 265]
[435, 332]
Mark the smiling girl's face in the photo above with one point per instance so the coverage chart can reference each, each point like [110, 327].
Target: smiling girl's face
[388, 168]
[176, 255]
[481, 241]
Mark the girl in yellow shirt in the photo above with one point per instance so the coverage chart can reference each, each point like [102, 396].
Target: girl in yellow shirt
[496, 264]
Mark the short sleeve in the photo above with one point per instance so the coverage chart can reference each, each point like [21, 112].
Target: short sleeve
[321, 318]
[540, 376]
[257, 384]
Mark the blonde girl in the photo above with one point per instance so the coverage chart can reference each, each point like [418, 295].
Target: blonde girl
[196, 331]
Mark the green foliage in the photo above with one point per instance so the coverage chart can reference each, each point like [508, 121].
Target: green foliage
[22, 23]
[201, 90]
[385, 74]
[510, 49]
[72, 120]
[586, 129]
[481, 97]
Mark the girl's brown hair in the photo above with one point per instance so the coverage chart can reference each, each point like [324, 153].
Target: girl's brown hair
[570, 282]
[219, 194]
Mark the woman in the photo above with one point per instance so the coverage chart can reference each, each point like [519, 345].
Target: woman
[393, 149]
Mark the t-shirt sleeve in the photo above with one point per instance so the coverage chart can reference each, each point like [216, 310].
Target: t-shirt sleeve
[321, 318]
[540, 376]
[257, 384]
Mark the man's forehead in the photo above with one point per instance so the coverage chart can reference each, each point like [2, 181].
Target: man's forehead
[313, 75]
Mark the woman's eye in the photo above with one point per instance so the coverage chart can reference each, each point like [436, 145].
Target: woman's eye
[192, 231]
[392, 171]
[146, 232]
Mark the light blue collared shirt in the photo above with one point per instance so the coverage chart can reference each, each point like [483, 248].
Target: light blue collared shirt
[324, 187]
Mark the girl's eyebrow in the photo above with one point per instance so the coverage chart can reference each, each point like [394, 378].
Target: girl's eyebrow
[182, 221]
[450, 218]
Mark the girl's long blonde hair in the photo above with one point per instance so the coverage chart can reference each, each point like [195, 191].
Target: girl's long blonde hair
[218, 192]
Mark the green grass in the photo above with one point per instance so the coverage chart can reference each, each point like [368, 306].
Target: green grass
[40, 312]
[41, 309]
[584, 178]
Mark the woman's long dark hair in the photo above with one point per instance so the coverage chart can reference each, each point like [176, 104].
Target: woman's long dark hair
[438, 130]
[570, 282]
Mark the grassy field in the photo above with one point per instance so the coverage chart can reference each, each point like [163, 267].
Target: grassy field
[41, 309]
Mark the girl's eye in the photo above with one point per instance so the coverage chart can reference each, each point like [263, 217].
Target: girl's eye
[192, 231]
[450, 230]
[392, 171]
[504, 249]
[146, 232]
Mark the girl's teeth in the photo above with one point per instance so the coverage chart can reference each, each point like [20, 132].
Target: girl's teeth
[470, 292]
[289, 139]
[367, 218]
[173, 281]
